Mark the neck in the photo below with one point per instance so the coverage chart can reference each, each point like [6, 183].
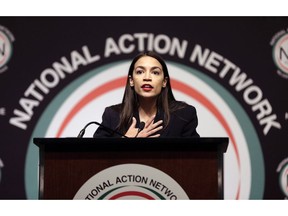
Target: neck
[147, 109]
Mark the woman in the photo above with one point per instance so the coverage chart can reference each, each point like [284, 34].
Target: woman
[148, 98]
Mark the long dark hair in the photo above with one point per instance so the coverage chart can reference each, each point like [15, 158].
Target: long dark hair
[165, 100]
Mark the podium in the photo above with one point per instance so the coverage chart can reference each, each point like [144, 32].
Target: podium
[192, 165]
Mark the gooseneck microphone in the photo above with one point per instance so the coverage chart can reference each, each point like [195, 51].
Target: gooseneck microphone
[141, 127]
[82, 132]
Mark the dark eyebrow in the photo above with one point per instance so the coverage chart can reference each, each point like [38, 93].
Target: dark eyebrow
[155, 67]
[139, 67]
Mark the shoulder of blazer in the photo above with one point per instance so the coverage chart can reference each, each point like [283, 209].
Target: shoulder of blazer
[114, 108]
[186, 113]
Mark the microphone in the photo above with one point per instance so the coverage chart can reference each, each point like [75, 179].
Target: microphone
[140, 128]
[82, 132]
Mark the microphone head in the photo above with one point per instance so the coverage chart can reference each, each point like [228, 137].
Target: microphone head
[141, 125]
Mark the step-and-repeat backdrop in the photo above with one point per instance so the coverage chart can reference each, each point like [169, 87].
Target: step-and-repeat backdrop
[59, 73]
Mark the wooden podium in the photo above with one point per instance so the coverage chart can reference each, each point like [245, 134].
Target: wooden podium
[196, 164]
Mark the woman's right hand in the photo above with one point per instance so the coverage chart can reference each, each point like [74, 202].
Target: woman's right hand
[148, 131]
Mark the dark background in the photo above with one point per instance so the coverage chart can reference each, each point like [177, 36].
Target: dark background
[39, 41]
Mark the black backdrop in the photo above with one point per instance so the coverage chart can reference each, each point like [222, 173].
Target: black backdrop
[37, 42]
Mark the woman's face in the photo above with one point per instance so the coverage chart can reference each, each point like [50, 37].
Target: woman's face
[148, 77]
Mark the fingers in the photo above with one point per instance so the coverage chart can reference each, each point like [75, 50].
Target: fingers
[151, 128]
[156, 124]
[156, 135]
[150, 121]
[132, 131]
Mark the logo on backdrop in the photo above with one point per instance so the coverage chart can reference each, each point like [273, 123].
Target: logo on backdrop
[280, 52]
[89, 94]
[131, 181]
[282, 169]
[6, 48]
[1, 166]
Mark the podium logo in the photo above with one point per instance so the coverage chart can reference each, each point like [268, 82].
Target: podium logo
[131, 181]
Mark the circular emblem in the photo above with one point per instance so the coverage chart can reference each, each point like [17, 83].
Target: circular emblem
[1, 166]
[280, 54]
[72, 108]
[283, 176]
[6, 39]
[131, 181]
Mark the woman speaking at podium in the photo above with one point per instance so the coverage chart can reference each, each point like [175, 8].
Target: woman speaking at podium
[148, 108]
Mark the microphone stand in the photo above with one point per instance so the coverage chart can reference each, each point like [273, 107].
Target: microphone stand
[82, 132]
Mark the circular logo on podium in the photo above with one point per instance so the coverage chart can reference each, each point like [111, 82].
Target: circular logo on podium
[131, 181]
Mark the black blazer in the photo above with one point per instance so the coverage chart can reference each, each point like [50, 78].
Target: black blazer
[183, 122]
